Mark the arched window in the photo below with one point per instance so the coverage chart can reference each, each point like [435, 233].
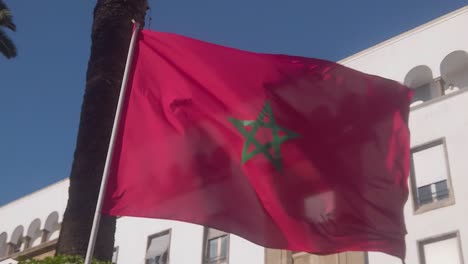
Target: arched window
[16, 240]
[425, 87]
[34, 234]
[454, 71]
[3, 244]
[51, 227]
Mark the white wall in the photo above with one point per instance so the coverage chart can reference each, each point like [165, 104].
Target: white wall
[131, 235]
[38, 205]
[186, 242]
[425, 45]
[8, 261]
[443, 117]
[447, 118]
[243, 252]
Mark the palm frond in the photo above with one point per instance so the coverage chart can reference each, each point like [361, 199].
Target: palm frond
[3, 5]
[6, 17]
[7, 47]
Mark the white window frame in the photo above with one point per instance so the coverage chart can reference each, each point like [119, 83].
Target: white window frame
[206, 241]
[434, 239]
[450, 200]
[159, 234]
[116, 250]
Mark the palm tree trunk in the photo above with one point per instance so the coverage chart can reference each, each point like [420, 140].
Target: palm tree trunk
[110, 37]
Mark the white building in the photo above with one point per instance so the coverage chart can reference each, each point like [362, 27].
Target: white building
[433, 60]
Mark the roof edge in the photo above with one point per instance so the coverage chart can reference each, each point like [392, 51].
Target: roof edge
[405, 35]
[33, 193]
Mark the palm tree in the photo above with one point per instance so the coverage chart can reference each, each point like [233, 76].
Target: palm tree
[111, 32]
[7, 47]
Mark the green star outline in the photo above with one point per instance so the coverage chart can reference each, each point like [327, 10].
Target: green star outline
[276, 142]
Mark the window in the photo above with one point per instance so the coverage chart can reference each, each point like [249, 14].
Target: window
[454, 68]
[26, 242]
[303, 257]
[115, 255]
[17, 247]
[3, 244]
[430, 175]
[158, 248]
[217, 249]
[441, 249]
[428, 91]
[45, 235]
[216, 246]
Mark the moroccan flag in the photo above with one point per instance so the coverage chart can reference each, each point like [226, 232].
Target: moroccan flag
[287, 152]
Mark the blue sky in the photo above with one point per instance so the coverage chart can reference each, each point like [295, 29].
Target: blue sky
[42, 89]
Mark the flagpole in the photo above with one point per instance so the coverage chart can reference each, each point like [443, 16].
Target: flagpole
[105, 174]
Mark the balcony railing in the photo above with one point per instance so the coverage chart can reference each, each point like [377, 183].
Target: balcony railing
[434, 89]
[433, 192]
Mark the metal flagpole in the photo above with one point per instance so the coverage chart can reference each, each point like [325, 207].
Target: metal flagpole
[105, 174]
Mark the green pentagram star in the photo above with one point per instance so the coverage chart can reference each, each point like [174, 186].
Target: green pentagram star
[264, 149]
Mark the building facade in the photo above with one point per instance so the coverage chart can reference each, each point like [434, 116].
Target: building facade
[431, 59]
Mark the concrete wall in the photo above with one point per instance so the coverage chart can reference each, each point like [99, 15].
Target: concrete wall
[243, 251]
[30, 215]
[443, 117]
[447, 118]
[427, 45]
[131, 236]
[186, 242]
[276, 256]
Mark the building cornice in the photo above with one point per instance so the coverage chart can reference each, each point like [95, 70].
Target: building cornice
[405, 35]
[33, 251]
[33, 193]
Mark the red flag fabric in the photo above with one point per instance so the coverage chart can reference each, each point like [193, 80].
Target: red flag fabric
[287, 152]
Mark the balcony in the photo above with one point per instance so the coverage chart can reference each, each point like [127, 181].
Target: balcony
[434, 192]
